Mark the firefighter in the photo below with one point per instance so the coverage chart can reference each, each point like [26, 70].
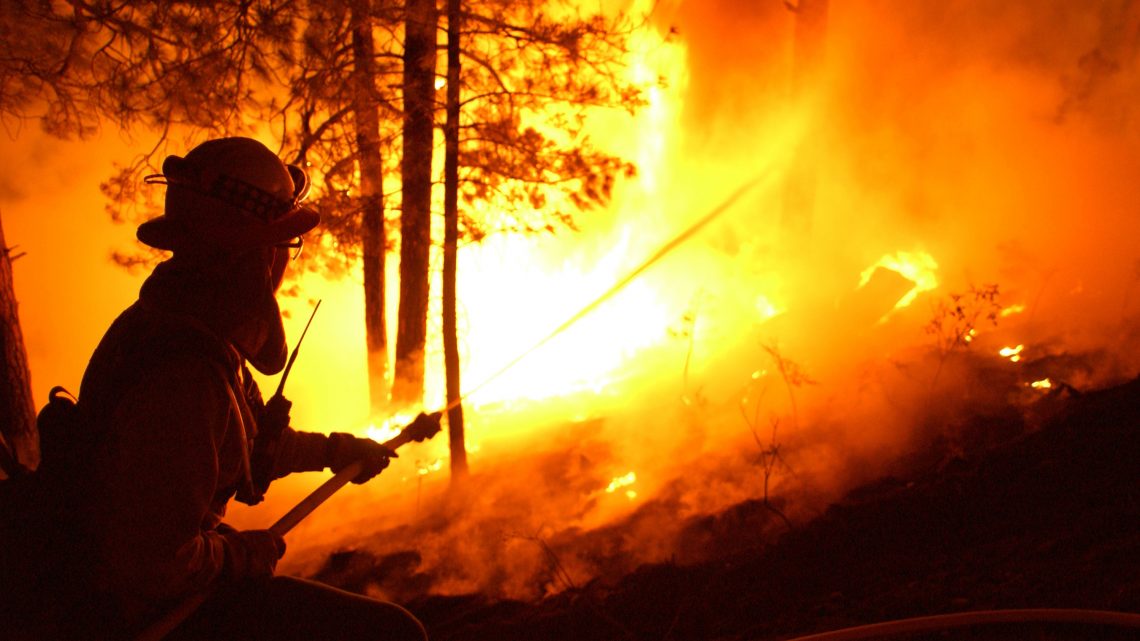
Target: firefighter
[175, 412]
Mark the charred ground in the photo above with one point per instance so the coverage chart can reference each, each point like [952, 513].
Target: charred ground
[1017, 514]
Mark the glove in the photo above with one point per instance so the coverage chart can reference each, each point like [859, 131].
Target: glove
[346, 449]
[426, 425]
[275, 417]
[251, 553]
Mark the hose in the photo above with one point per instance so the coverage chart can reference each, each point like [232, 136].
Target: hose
[980, 617]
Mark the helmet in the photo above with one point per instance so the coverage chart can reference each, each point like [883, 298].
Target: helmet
[231, 193]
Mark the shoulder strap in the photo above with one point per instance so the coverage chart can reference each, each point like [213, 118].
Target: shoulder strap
[247, 472]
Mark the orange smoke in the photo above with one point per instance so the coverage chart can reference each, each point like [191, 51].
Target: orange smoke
[945, 148]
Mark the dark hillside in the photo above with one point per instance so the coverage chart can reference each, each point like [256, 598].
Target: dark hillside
[1047, 519]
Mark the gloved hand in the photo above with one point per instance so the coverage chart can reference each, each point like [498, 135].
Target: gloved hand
[275, 417]
[346, 449]
[251, 553]
[425, 426]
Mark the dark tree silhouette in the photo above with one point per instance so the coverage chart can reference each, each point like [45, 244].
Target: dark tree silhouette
[19, 450]
[372, 237]
[420, 22]
[451, 363]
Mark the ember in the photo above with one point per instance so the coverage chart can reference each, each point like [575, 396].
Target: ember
[1012, 353]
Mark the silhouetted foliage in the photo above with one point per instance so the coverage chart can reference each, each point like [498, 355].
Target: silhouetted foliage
[532, 71]
[956, 317]
[185, 71]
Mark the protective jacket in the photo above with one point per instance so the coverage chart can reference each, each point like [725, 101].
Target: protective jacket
[170, 448]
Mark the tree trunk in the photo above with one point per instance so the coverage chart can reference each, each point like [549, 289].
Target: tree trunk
[19, 450]
[808, 49]
[415, 220]
[450, 247]
[373, 240]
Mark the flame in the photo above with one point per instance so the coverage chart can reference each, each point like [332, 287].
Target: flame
[389, 429]
[554, 278]
[622, 481]
[583, 358]
[424, 469]
[1012, 353]
[918, 267]
[1042, 384]
[1011, 310]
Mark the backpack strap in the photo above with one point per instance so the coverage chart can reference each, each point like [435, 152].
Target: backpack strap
[247, 472]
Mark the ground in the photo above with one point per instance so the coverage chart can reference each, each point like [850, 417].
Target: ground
[1046, 516]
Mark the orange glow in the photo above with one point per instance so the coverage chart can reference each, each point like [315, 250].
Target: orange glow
[925, 174]
[767, 308]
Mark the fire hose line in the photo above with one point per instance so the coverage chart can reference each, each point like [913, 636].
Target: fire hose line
[980, 617]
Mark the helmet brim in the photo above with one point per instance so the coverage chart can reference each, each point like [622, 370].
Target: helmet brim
[162, 232]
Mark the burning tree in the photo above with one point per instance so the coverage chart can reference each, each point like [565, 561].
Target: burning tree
[531, 69]
[519, 83]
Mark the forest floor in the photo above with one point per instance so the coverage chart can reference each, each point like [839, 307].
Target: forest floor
[1042, 517]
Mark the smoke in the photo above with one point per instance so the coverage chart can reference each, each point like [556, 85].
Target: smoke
[996, 139]
[999, 138]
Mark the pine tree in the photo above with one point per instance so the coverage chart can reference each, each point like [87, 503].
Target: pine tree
[420, 22]
[451, 365]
